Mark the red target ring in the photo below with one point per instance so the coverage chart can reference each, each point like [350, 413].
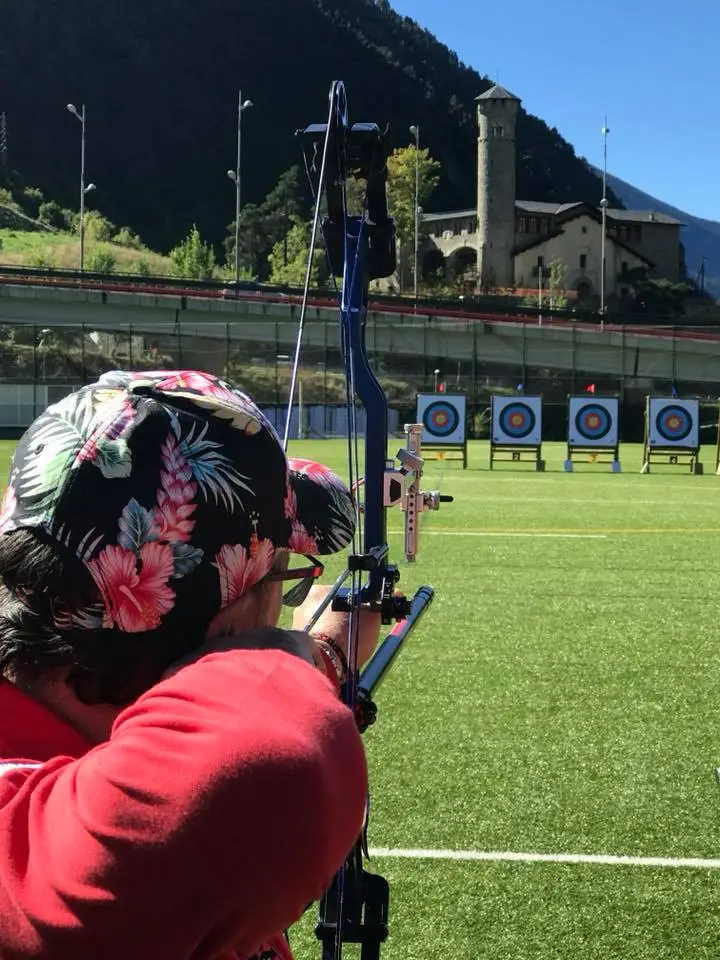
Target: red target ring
[441, 419]
[517, 420]
[593, 421]
[673, 423]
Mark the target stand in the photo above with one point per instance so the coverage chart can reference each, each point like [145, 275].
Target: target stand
[516, 430]
[593, 431]
[672, 433]
[444, 420]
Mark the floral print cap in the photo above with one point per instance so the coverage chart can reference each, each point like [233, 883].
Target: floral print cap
[174, 491]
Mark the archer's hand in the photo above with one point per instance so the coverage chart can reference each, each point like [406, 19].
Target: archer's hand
[334, 624]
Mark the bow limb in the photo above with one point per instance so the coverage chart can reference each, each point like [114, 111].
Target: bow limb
[360, 249]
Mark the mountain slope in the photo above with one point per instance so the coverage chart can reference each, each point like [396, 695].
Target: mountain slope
[160, 84]
[700, 237]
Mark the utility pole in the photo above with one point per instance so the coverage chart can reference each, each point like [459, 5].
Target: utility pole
[415, 131]
[235, 176]
[603, 239]
[83, 189]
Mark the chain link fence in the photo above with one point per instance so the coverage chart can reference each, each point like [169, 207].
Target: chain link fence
[415, 354]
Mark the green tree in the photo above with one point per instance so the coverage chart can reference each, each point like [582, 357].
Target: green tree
[401, 167]
[7, 200]
[264, 225]
[126, 237]
[101, 260]
[193, 259]
[97, 227]
[141, 267]
[30, 200]
[556, 284]
[53, 214]
[289, 257]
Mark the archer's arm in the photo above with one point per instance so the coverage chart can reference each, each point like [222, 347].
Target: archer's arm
[223, 803]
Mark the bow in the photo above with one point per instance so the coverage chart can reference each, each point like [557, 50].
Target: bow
[360, 249]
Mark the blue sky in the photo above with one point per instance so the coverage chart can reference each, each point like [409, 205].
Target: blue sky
[653, 66]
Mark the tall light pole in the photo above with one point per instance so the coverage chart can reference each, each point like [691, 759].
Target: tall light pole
[603, 206]
[84, 190]
[415, 131]
[235, 177]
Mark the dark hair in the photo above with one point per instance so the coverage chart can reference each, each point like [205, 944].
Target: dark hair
[38, 577]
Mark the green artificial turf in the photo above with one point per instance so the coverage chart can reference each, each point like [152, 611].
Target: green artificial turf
[560, 696]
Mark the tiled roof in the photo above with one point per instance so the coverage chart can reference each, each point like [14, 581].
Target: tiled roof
[643, 216]
[450, 215]
[554, 209]
[498, 93]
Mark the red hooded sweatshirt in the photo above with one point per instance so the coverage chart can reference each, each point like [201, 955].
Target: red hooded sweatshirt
[222, 804]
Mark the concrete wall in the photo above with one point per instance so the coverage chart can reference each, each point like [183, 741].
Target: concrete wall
[207, 327]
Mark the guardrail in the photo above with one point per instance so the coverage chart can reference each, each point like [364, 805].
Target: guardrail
[471, 312]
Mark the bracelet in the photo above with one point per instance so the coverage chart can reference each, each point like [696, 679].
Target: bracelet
[334, 645]
[331, 663]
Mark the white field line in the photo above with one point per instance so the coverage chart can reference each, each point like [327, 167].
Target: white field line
[513, 533]
[697, 863]
[507, 533]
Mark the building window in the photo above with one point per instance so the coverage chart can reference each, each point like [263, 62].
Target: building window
[532, 225]
[498, 130]
[544, 226]
[522, 225]
[584, 229]
[540, 262]
[624, 268]
[583, 261]
[624, 232]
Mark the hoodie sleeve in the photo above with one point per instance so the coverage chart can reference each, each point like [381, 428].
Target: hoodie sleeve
[223, 802]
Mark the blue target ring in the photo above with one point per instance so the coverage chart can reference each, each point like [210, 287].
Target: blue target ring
[441, 419]
[517, 420]
[673, 423]
[593, 422]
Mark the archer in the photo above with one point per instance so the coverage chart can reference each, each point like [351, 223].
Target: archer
[177, 777]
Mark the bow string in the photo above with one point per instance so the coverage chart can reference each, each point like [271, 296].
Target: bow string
[361, 248]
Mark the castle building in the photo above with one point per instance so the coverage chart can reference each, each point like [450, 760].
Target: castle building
[509, 243]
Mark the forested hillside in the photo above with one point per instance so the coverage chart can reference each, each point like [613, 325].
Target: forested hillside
[160, 83]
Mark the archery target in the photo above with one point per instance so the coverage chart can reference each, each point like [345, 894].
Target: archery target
[673, 423]
[593, 423]
[517, 420]
[442, 416]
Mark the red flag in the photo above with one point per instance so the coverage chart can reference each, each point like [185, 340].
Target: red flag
[441, 388]
[590, 388]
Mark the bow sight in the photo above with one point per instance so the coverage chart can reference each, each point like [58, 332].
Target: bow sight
[360, 249]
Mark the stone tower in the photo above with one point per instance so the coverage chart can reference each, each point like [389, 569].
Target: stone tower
[497, 115]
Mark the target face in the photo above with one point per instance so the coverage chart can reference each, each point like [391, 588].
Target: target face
[442, 417]
[517, 421]
[673, 423]
[593, 423]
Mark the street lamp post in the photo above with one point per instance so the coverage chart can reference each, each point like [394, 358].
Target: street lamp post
[603, 207]
[84, 190]
[436, 374]
[415, 131]
[235, 177]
